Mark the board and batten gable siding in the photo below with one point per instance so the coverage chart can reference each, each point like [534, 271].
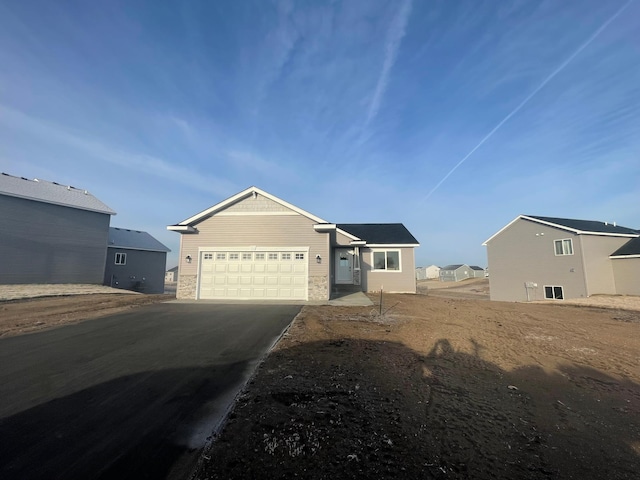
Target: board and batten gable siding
[598, 265]
[233, 231]
[524, 252]
[403, 281]
[627, 275]
[142, 272]
[45, 243]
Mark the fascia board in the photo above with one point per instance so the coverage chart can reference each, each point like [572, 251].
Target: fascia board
[394, 245]
[623, 256]
[181, 228]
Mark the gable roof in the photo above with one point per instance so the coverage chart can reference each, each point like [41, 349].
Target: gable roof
[187, 225]
[629, 249]
[174, 269]
[380, 233]
[454, 267]
[475, 267]
[134, 240]
[51, 192]
[579, 227]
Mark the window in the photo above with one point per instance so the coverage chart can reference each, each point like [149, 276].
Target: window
[260, 256]
[564, 246]
[273, 256]
[247, 256]
[386, 260]
[234, 256]
[121, 258]
[553, 292]
[208, 256]
[299, 256]
[221, 256]
[286, 256]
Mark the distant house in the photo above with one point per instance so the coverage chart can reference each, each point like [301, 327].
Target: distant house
[537, 258]
[51, 233]
[135, 261]
[427, 273]
[171, 275]
[477, 272]
[455, 273]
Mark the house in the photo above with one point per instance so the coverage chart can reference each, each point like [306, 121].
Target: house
[455, 273]
[135, 261]
[51, 233]
[254, 245]
[476, 271]
[536, 258]
[427, 273]
[171, 275]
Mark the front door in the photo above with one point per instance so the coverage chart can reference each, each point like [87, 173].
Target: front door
[344, 266]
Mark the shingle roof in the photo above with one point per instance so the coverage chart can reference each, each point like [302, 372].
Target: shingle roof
[380, 233]
[134, 240]
[586, 225]
[452, 267]
[51, 192]
[475, 267]
[632, 247]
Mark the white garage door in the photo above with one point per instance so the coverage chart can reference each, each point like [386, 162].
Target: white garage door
[246, 275]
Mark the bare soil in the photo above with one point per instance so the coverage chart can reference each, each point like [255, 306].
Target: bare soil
[436, 386]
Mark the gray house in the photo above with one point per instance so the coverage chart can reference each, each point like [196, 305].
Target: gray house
[51, 233]
[537, 258]
[477, 272]
[254, 245]
[455, 273]
[171, 275]
[135, 261]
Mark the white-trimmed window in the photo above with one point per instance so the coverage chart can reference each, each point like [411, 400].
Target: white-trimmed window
[286, 256]
[299, 256]
[260, 256]
[553, 292]
[208, 256]
[563, 247]
[273, 256]
[247, 256]
[121, 258]
[221, 256]
[386, 260]
[234, 256]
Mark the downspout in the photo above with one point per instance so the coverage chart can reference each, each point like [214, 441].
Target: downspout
[584, 268]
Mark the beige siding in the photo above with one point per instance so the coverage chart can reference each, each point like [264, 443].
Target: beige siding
[255, 204]
[524, 252]
[403, 281]
[258, 231]
[598, 265]
[626, 272]
[342, 239]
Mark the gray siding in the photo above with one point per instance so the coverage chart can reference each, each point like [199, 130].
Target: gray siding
[627, 275]
[44, 243]
[403, 281]
[461, 273]
[143, 271]
[598, 265]
[257, 230]
[521, 253]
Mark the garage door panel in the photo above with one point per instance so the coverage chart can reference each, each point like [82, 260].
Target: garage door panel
[247, 275]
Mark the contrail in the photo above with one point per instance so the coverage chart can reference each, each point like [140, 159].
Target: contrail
[531, 95]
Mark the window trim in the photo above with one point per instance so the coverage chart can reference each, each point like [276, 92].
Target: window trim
[552, 287]
[122, 256]
[386, 251]
[562, 245]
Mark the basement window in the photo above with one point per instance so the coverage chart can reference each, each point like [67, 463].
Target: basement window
[121, 258]
[553, 292]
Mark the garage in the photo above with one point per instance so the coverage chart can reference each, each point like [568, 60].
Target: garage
[260, 273]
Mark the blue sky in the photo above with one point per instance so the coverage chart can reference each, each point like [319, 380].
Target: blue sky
[452, 117]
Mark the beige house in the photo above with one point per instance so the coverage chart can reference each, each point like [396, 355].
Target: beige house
[255, 246]
[537, 258]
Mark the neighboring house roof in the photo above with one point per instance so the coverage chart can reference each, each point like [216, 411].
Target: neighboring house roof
[51, 192]
[453, 267]
[579, 227]
[380, 233]
[134, 240]
[475, 267]
[187, 226]
[629, 249]
[174, 269]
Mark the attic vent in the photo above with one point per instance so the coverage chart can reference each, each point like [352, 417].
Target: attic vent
[255, 194]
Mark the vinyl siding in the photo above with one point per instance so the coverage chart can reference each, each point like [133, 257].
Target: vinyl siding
[598, 265]
[627, 275]
[143, 271]
[403, 281]
[260, 231]
[522, 254]
[44, 243]
[343, 240]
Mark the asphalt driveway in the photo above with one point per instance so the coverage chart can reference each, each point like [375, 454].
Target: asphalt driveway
[133, 395]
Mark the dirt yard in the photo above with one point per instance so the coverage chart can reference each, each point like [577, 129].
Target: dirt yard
[438, 386]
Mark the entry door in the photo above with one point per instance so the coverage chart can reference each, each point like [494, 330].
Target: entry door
[344, 266]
